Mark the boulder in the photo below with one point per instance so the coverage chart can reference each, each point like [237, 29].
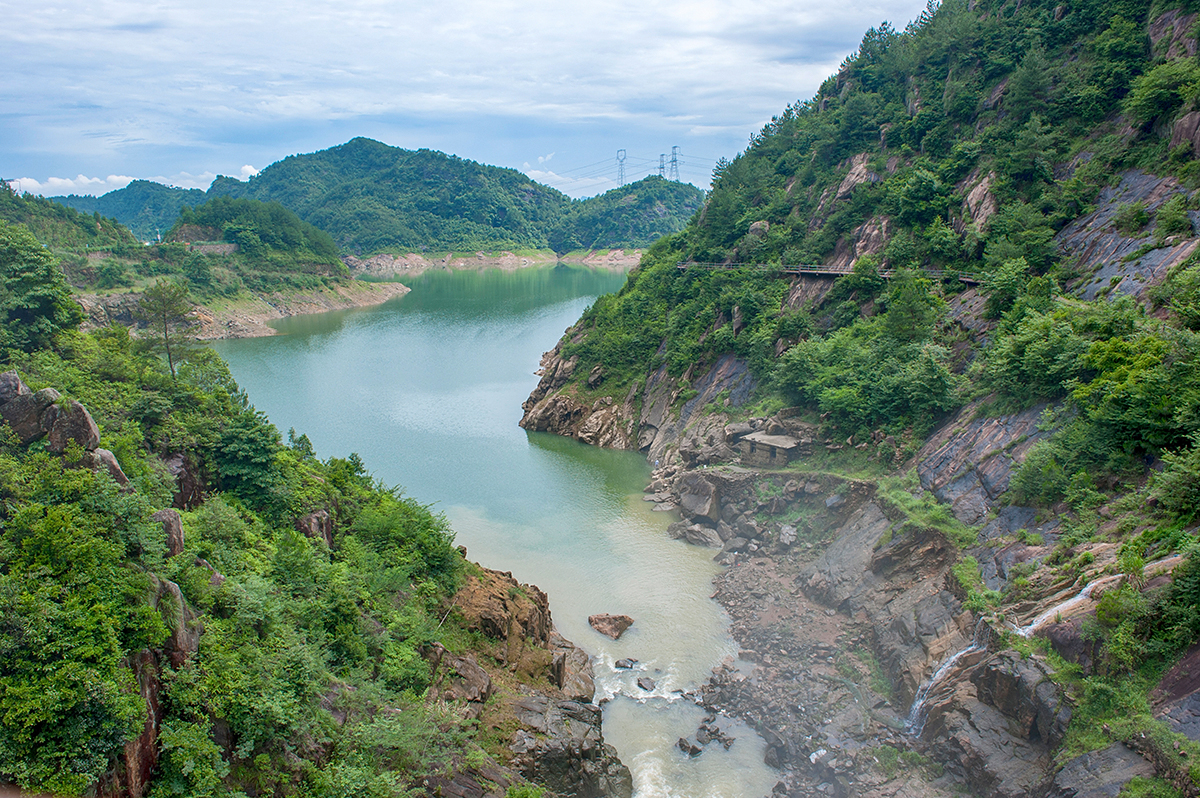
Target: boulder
[11, 387]
[568, 754]
[108, 460]
[610, 625]
[698, 497]
[688, 747]
[646, 683]
[699, 535]
[172, 526]
[23, 413]
[625, 663]
[1099, 774]
[317, 525]
[69, 421]
[465, 680]
[571, 669]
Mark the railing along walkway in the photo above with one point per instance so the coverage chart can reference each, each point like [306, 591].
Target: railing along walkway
[825, 271]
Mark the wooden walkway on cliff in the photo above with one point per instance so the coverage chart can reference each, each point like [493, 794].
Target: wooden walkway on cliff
[825, 271]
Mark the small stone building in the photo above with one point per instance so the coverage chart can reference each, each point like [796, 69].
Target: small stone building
[766, 451]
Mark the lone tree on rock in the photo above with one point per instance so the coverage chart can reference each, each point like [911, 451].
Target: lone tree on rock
[165, 309]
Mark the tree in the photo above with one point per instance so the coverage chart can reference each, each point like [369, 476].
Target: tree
[164, 308]
[35, 302]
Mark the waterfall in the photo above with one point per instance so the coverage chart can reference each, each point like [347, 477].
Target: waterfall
[916, 715]
[1057, 609]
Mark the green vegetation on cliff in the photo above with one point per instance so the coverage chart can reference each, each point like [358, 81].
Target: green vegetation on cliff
[983, 181]
[277, 645]
[961, 144]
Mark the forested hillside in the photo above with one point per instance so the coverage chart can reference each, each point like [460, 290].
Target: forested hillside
[193, 606]
[147, 208]
[374, 198]
[996, 210]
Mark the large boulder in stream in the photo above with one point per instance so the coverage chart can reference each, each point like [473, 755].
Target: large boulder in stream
[610, 625]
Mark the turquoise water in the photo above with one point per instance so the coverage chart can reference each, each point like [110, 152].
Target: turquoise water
[428, 390]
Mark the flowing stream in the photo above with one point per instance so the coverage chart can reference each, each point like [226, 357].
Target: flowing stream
[428, 390]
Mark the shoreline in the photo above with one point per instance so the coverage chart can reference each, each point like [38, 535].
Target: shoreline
[250, 317]
[411, 264]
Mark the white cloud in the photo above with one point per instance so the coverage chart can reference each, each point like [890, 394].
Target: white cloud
[80, 184]
[120, 85]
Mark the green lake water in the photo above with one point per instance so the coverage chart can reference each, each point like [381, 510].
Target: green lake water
[428, 390]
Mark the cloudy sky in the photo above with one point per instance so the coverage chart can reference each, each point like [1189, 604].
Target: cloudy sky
[97, 93]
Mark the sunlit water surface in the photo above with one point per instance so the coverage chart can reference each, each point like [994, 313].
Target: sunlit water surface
[428, 390]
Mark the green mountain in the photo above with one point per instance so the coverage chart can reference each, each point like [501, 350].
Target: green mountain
[145, 207]
[633, 215]
[996, 210]
[372, 197]
[61, 227]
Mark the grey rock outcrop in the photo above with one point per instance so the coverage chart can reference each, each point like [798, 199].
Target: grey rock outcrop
[568, 754]
[1099, 774]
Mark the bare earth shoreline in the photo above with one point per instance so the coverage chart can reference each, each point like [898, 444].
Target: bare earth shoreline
[250, 317]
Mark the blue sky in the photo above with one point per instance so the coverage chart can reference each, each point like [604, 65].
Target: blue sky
[101, 92]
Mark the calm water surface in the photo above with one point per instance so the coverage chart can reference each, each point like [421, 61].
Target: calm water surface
[428, 389]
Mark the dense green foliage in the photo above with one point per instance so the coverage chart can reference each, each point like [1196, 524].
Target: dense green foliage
[371, 197]
[309, 676]
[35, 303]
[630, 216]
[61, 227]
[147, 208]
[293, 628]
[275, 249]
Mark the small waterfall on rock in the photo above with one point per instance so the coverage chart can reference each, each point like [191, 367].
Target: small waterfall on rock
[916, 715]
[1065, 606]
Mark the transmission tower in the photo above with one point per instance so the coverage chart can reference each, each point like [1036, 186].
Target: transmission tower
[621, 167]
[674, 164]
[662, 165]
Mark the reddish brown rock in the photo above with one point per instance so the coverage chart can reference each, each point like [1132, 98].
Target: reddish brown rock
[107, 460]
[69, 421]
[317, 525]
[11, 387]
[172, 526]
[610, 625]
[494, 603]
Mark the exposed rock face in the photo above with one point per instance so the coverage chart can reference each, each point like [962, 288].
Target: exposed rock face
[1177, 697]
[317, 525]
[172, 526]
[1171, 34]
[603, 423]
[67, 422]
[1099, 774]
[570, 756]
[495, 604]
[980, 203]
[969, 462]
[1187, 129]
[610, 625]
[1102, 249]
[571, 669]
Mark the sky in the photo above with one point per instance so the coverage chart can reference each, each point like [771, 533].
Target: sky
[100, 92]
